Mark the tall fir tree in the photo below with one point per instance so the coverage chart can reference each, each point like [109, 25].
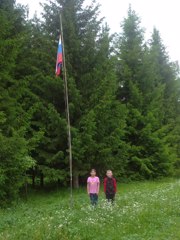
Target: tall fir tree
[14, 154]
[143, 90]
[167, 74]
[91, 80]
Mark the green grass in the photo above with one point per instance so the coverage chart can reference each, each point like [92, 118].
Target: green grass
[147, 210]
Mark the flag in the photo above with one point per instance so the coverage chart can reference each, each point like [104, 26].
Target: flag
[59, 60]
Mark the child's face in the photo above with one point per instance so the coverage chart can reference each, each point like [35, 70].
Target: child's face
[93, 173]
[109, 174]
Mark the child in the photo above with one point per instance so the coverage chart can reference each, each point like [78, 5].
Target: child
[110, 186]
[93, 187]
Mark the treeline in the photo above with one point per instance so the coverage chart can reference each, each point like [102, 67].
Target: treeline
[124, 98]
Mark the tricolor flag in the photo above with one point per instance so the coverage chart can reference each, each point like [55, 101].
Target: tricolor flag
[59, 60]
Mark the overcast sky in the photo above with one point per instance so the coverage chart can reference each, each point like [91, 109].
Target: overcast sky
[163, 14]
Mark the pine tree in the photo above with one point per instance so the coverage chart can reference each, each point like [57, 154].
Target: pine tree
[143, 75]
[167, 75]
[44, 97]
[129, 66]
[14, 153]
[84, 81]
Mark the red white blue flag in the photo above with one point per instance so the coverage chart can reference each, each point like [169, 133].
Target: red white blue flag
[59, 60]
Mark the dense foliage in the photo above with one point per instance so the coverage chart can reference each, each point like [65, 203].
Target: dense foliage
[124, 98]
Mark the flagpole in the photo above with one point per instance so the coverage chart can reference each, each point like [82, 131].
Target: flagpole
[67, 114]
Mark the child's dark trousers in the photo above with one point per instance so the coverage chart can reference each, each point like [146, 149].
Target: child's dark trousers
[93, 198]
[110, 197]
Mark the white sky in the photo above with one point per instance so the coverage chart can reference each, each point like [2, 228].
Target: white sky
[163, 14]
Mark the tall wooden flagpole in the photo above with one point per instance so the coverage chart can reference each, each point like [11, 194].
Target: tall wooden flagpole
[67, 114]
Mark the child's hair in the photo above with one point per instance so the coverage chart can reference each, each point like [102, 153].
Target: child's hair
[93, 170]
[108, 171]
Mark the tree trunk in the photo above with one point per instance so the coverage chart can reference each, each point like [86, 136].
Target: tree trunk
[42, 180]
[26, 188]
[76, 180]
[33, 179]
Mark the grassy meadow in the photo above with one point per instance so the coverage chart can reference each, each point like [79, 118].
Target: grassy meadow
[142, 211]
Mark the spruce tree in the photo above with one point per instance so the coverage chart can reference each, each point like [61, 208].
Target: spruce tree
[14, 154]
[144, 74]
[91, 81]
